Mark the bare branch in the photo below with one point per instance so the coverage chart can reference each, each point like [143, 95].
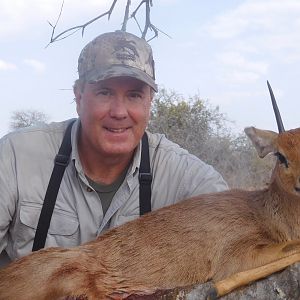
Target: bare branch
[137, 23]
[126, 15]
[74, 29]
[133, 15]
[152, 27]
[136, 10]
[147, 26]
[156, 30]
[147, 21]
[61, 9]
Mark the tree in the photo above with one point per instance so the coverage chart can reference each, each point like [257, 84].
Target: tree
[26, 118]
[188, 122]
[203, 130]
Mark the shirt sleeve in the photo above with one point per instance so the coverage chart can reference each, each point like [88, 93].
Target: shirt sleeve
[178, 175]
[8, 189]
[201, 178]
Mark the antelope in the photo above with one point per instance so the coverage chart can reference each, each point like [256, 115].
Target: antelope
[232, 237]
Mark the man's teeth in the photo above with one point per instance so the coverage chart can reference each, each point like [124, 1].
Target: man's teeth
[116, 130]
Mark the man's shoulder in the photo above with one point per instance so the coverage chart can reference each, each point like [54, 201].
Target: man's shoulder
[38, 135]
[38, 129]
[179, 173]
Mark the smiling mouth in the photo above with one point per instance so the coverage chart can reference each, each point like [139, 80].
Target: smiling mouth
[116, 130]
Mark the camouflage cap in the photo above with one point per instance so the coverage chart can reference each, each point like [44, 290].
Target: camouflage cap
[115, 54]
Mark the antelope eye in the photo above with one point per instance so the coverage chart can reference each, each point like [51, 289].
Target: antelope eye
[282, 159]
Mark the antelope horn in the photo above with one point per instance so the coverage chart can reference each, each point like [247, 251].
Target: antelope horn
[276, 110]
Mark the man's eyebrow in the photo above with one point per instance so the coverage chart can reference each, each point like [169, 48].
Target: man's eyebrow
[100, 85]
[137, 89]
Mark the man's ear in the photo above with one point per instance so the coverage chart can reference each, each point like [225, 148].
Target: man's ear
[77, 92]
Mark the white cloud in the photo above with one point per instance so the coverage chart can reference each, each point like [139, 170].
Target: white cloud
[18, 16]
[6, 66]
[38, 66]
[256, 16]
[166, 2]
[251, 38]
[237, 61]
[237, 69]
[261, 25]
[238, 77]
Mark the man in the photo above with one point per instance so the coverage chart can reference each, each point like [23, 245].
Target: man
[100, 186]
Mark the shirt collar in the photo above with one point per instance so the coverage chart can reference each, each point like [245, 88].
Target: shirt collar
[74, 141]
[136, 159]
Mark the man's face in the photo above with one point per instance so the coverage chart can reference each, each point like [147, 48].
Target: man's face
[114, 114]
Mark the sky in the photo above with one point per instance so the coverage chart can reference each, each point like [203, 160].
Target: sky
[223, 51]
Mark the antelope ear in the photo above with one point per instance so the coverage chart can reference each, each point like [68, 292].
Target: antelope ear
[264, 141]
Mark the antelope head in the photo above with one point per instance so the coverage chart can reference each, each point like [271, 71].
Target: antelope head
[285, 145]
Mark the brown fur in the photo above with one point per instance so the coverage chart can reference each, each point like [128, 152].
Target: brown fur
[206, 237]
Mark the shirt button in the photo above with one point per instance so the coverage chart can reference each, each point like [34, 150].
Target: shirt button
[88, 189]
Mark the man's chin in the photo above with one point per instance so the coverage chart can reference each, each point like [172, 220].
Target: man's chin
[117, 149]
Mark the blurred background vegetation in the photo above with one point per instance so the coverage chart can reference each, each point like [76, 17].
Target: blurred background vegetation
[205, 132]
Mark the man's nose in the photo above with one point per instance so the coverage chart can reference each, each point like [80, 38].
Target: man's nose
[118, 108]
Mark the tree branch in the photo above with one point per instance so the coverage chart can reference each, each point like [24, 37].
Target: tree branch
[126, 15]
[74, 29]
[148, 25]
[147, 21]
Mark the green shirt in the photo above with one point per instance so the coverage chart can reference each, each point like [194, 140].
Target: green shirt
[106, 192]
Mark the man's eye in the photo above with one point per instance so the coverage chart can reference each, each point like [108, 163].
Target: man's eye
[135, 95]
[103, 92]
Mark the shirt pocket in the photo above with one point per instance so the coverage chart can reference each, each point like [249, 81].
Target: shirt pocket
[63, 230]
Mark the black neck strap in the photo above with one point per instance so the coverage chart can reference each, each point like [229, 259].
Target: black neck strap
[60, 163]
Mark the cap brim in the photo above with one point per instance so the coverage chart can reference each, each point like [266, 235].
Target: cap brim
[117, 71]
